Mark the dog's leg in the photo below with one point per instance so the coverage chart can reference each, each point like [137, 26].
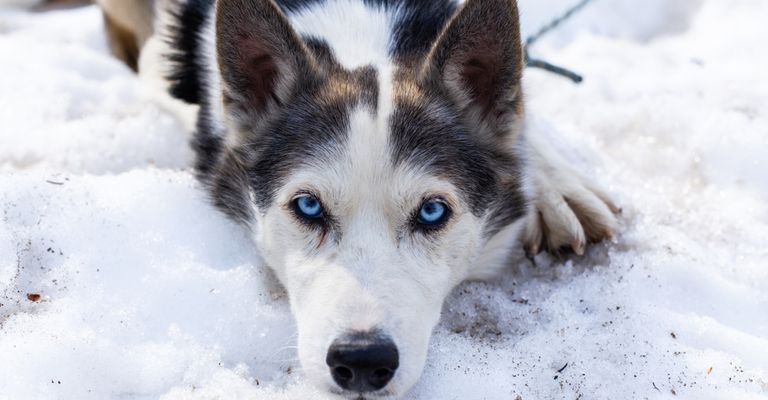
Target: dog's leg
[129, 26]
[49, 5]
[571, 211]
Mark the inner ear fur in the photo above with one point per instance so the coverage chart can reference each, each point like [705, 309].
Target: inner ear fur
[478, 61]
[261, 58]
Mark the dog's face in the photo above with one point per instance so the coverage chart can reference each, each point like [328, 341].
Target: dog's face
[371, 191]
[367, 250]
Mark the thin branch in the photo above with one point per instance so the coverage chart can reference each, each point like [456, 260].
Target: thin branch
[536, 63]
[552, 25]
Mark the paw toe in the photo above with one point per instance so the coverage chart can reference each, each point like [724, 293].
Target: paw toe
[562, 227]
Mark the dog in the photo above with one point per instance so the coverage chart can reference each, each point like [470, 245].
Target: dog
[376, 150]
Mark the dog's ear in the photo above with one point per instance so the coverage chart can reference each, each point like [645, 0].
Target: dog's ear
[478, 61]
[261, 58]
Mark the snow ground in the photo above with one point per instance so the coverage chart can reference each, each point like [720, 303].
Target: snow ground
[147, 292]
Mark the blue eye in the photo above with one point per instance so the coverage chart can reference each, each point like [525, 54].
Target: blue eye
[433, 212]
[308, 207]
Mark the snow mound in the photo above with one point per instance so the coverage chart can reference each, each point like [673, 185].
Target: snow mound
[613, 18]
[19, 3]
[118, 280]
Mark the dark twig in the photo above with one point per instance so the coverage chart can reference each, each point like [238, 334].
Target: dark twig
[536, 63]
[556, 22]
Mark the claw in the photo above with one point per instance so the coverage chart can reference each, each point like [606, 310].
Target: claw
[578, 247]
[573, 211]
[613, 207]
[532, 250]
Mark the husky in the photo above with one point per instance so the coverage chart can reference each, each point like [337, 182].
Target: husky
[376, 151]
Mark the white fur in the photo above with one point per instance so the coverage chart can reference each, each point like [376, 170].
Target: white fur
[564, 199]
[154, 64]
[358, 35]
[154, 68]
[213, 78]
[380, 275]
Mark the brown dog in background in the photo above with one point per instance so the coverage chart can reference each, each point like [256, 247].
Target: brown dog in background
[128, 24]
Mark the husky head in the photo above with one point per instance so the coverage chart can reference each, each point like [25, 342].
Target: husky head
[371, 191]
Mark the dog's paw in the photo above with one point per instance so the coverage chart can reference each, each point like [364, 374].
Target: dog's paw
[570, 213]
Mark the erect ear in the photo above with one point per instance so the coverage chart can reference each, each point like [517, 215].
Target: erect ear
[261, 58]
[478, 60]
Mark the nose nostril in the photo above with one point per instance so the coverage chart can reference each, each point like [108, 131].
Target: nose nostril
[344, 373]
[382, 373]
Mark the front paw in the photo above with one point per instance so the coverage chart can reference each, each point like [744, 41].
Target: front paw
[570, 213]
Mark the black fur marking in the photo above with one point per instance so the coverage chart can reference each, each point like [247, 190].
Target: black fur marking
[312, 128]
[322, 51]
[367, 79]
[418, 24]
[447, 148]
[227, 188]
[188, 78]
[305, 133]
[206, 142]
[511, 204]
[184, 38]
[294, 6]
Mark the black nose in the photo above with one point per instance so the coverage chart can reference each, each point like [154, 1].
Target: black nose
[362, 362]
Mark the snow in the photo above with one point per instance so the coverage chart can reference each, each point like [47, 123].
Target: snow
[148, 292]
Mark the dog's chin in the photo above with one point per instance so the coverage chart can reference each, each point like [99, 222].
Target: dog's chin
[383, 394]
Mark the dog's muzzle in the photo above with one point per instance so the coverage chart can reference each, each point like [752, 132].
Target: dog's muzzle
[362, 361]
